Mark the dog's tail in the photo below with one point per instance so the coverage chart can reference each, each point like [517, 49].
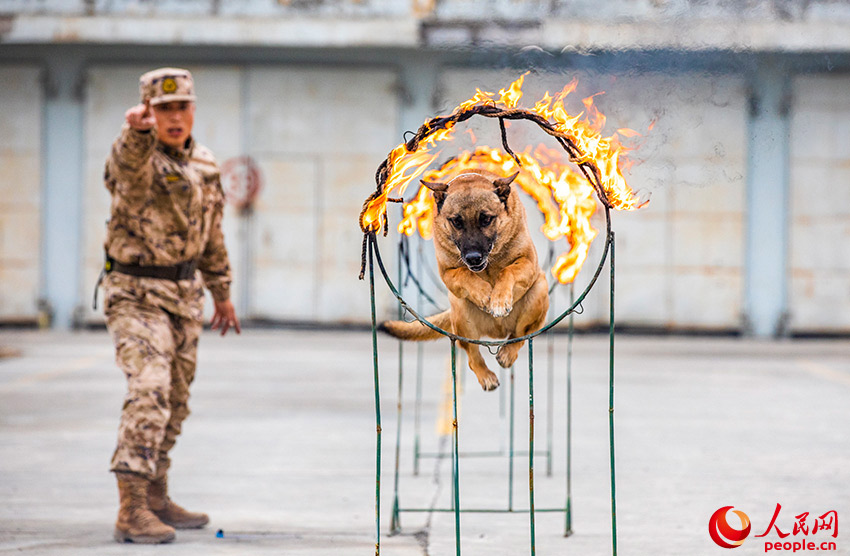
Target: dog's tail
[417, 331]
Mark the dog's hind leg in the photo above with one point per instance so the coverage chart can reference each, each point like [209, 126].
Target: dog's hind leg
[486, 378]
[507, 354]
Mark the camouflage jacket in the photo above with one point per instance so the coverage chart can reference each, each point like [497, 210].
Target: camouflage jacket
[167, 207]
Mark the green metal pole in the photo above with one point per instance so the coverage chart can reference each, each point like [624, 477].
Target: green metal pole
[511, 446]
[568, 526]
[417, 414]
[502, 412]
[377, 405]
[455, 456]
[611, 403]
[531, 441]
[395, 521]
[550, 391]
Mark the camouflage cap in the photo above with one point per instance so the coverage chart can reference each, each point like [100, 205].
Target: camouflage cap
[166, 85]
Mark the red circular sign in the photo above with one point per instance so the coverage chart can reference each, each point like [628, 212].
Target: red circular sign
[241, 180]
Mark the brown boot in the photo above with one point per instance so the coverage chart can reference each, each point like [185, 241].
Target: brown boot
[136, 523]
[169, 512]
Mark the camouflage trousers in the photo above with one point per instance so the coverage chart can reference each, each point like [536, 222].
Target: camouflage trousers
[157, 352]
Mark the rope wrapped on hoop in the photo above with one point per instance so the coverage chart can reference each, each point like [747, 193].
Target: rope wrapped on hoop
[488, 110]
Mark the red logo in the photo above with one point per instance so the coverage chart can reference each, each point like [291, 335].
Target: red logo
[724, 534]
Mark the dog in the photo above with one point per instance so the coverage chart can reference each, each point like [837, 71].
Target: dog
[488, 262]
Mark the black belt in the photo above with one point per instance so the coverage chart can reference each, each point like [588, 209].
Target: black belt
[180, 271]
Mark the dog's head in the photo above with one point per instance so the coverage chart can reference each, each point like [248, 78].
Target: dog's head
[472, 211]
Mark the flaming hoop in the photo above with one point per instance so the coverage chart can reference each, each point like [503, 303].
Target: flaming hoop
[598, 160]
[564, 196]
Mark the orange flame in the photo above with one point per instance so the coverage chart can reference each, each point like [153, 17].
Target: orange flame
[419, 215]
[586, 134]
[564, 197]
[508, 98]
[404, 167]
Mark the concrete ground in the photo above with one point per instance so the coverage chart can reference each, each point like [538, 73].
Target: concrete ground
[280, 448]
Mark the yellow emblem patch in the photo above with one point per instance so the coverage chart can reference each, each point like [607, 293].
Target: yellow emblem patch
[169, 85]
[171, 178]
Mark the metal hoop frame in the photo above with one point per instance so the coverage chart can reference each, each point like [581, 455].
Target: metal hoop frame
[607, 255]
[591, 172]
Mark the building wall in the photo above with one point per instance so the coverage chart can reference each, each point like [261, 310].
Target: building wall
[820, 204]
[20, 191]
[523, 11]
[318, 123]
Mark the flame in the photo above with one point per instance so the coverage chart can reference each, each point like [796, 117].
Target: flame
[564, 197]
[419, 215]
[404, 167]
[399, 162]
[508, 98]
[585, 133]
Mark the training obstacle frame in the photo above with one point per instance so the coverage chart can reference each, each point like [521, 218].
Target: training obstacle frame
[373, 219]
[374, 256]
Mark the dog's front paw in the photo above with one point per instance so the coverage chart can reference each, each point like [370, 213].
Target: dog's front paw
[501, 305]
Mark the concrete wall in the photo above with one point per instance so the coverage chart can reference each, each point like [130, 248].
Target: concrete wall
[20, 191]
[319, 135]
[820, 204]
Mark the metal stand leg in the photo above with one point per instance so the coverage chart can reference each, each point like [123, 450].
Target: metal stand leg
[417, 413]
[568, 525]
[377, 408]
[531, 441]
[511, 445]
[611, 404]
[455, 458]
[550, 391]
[395, 521]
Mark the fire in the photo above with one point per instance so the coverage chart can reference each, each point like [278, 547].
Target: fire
[419, 215]
[564, 198]
[603, 152]
[509, 98]
[405, 167]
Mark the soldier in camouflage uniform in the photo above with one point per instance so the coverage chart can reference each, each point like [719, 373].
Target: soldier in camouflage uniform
[164, 243]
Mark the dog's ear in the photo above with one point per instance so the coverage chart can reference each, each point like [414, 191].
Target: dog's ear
[439, 189]
[503, 187]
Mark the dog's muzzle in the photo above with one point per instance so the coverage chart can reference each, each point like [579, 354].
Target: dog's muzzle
[475, 260]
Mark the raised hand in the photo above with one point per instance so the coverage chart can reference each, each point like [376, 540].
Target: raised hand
[140, 117]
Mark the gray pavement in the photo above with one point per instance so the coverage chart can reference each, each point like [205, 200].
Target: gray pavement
[280, 448]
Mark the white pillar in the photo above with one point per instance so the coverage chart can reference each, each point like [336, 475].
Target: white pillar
[62, 187]
[766, 284]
